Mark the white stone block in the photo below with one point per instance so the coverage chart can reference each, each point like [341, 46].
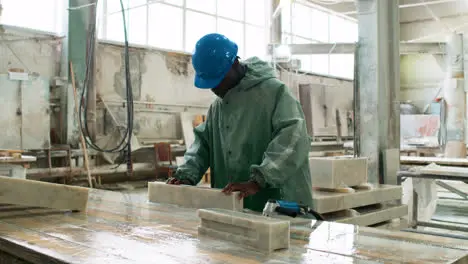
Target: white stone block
[256, 231]
[326, 202]
[42, 194]
[193, 197]
[337, 172]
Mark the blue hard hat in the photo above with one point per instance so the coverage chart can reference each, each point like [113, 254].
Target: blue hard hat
[212, 59]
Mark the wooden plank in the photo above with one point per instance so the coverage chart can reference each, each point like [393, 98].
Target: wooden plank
[42, 194]
[158, 233]
[410, 160]
[193, 197]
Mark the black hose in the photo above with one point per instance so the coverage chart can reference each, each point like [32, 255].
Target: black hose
[125, 142]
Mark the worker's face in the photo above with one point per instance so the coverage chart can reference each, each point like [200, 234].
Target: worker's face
[230, 80]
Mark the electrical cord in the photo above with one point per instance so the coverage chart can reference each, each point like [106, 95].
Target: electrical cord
[125, 142]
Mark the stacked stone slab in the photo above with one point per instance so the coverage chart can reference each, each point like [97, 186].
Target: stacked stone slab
[259, 232]
[193, 197]
[337, 172]
[363, 207]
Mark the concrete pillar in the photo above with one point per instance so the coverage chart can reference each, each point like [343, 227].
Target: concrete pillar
[379, 86]
[275, 29]
[82, 20]
[454, 95]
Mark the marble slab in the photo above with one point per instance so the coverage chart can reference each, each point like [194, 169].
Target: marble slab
[371, 215]
[259, 232]
[325, 202]
[434, 169]
[121, 230]
[193, 197]
[337, 172]
[413, 160]
[42, 194]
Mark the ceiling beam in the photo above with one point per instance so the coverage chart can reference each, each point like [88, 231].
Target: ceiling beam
[348, 48]
[409, 5]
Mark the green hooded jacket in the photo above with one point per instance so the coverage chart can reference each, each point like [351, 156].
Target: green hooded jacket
[256, 132]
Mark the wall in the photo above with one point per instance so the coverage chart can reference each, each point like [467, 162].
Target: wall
[33, 52]
[29, 50]
[327, 95]
[162, 82]
[160, 77]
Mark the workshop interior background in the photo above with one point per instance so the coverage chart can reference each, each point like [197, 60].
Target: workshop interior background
[41, 38]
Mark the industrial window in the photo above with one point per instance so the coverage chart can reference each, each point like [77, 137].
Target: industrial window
[233, 9]
[303, 23]
[44, 15]
[178, 24]
[342, 30]
[197, 25]
[320, 27]
[234, 31]
[342, 65]
[169, 36]
[207, 6]
[320, 64]
[255, 41]
[256, 12]
[137, 19]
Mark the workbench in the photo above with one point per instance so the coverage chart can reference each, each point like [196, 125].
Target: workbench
[119, 228]
[436, 172]
[16, 167]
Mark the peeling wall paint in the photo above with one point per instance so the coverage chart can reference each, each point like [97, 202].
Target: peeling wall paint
[157, 77]
[32, 51]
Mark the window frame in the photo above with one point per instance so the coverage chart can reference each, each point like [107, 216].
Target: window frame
[291, 34]
[104, 24]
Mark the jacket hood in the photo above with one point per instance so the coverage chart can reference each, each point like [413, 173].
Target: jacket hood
[257, 72]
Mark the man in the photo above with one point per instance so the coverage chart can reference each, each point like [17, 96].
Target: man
[255, 138]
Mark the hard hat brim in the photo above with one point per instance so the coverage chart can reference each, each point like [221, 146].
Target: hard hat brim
[207, 83]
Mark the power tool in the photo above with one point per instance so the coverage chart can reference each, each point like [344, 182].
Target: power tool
[291, 209]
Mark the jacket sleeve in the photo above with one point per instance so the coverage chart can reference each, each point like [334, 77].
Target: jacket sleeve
[197, 156]
[290, 144]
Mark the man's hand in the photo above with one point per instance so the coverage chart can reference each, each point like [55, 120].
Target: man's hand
[175, 181]
[245, 188]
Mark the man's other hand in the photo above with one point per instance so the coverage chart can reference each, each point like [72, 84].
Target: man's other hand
[245, 188]
[175, 181]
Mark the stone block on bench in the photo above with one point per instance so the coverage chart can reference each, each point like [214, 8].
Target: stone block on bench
[337, 172]
[193, 197]
[259, 232]
[43, 194]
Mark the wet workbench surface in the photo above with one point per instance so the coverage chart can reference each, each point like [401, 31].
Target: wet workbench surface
[120, 228]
